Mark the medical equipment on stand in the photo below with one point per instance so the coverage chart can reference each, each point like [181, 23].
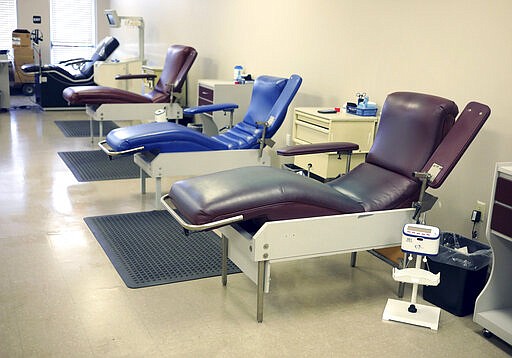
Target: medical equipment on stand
[115, 20]
[420, 240]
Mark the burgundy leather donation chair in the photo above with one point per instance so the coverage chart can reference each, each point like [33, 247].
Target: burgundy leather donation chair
[107, 103]
[268, 215]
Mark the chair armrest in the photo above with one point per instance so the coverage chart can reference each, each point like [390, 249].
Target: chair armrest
[227, 107]
[301, 149]
[76, 62]
[71, 60]
[144, 76]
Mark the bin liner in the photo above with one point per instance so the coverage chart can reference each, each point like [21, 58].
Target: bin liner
[479, 255]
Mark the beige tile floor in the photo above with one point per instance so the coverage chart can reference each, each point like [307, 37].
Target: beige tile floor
[61, 297]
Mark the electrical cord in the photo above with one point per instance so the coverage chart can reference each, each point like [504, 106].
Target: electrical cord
[474, 232]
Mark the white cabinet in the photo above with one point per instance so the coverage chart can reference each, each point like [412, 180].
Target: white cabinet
[309, 127]
[105, 74]
[216, 92]
[493, 308]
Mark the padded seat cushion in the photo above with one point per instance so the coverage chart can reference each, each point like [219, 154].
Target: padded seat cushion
[101, 94]
[161, 137]
[375, 188]
[274, 194]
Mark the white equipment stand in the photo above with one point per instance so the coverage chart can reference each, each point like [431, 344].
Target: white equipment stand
[416, 239]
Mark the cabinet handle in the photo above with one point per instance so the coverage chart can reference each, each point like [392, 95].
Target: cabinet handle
[204, 92]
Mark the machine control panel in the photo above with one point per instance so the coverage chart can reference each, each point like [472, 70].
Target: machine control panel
[420, 239]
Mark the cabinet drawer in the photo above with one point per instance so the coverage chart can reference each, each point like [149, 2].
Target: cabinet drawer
[205, 92]
[321, 122]
[310, 133]
[503, 191]
[502, 219]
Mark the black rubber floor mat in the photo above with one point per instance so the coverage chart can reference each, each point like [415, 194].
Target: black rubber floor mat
[94, 165]
[150, 248]
[82, 128]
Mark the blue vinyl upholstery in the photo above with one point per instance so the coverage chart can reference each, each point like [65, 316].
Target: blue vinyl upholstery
[270, 99]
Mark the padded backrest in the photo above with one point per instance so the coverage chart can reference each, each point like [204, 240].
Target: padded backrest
[103, 51]
[411, 127]
[270, 99]
[178, 61]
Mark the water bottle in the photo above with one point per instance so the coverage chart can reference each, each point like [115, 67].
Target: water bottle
[237, 73]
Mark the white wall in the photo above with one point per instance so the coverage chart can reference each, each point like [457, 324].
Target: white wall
[459, 49]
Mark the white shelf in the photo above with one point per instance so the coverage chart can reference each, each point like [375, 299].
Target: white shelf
[497, 321]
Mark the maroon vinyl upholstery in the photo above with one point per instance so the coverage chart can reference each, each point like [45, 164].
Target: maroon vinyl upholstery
[178, 61]
[412, 126]
[448, 153]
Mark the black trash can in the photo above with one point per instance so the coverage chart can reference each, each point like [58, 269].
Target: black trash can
[463, 275]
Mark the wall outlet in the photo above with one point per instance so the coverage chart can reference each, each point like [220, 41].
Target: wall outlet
[480, 206]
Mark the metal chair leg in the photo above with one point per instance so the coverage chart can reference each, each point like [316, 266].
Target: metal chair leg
[224, 266]
[91, 129]
[261, 288]
[353, 257]
[143, 177]
[158, 191]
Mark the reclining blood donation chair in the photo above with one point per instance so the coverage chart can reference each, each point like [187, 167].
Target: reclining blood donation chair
[108, 103]
[52, 79]
[266, 215]
[170, 149]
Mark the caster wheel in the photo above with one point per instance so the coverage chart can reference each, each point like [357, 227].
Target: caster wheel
[27, 89]
[487, 333]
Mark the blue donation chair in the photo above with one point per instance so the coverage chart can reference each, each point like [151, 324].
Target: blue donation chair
[170, 149]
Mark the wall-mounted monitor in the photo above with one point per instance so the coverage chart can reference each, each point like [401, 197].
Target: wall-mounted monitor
[113, 19]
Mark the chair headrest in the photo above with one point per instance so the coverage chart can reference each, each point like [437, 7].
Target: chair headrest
[103, 51]
[411, 127]
[178, 61]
